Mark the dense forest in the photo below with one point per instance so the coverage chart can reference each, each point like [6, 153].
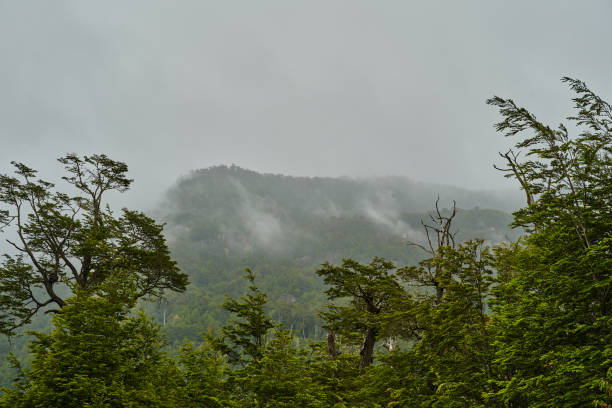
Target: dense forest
[274, 291]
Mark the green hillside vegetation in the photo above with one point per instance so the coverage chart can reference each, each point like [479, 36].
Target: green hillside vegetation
[222, 219]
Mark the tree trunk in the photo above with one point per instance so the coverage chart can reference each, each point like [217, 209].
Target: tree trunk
[331, 345]
[367, 351]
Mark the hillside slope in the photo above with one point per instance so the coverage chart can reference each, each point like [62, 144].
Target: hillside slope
[223, 219]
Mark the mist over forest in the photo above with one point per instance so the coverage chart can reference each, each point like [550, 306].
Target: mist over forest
[223, 219]
[272, 204]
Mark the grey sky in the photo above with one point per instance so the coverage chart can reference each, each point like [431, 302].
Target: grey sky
[303, 88]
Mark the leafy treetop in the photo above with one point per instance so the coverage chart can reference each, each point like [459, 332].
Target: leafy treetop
[75, 240]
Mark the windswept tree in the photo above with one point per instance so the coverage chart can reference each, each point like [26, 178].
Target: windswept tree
[72, 238]
[553, 305]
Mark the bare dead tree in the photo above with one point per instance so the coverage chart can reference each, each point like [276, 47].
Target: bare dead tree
[439, 235]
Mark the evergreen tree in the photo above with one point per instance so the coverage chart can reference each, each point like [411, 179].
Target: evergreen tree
[98, 354]
[281, 379]
[204, 372]
[243, 338]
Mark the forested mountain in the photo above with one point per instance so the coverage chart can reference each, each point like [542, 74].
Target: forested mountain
[223, 219]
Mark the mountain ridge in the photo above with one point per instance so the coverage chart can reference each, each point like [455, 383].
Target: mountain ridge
[223, 219]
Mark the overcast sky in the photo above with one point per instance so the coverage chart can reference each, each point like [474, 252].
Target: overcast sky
[316, 88]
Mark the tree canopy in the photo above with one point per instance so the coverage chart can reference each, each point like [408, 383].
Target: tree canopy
[74, 239]
[553, 309]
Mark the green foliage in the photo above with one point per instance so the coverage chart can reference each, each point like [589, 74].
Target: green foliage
[243, 338]
[261, 373]
[65, 240]
[281, 378]
[338, 377]
[371, 290]
[204, 372]
[606, 387]
[97, 355]
[448, 360]
[17, 280]
[553, 305]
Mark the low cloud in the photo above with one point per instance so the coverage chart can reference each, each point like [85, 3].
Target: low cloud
[384, 210]
[262, 226]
